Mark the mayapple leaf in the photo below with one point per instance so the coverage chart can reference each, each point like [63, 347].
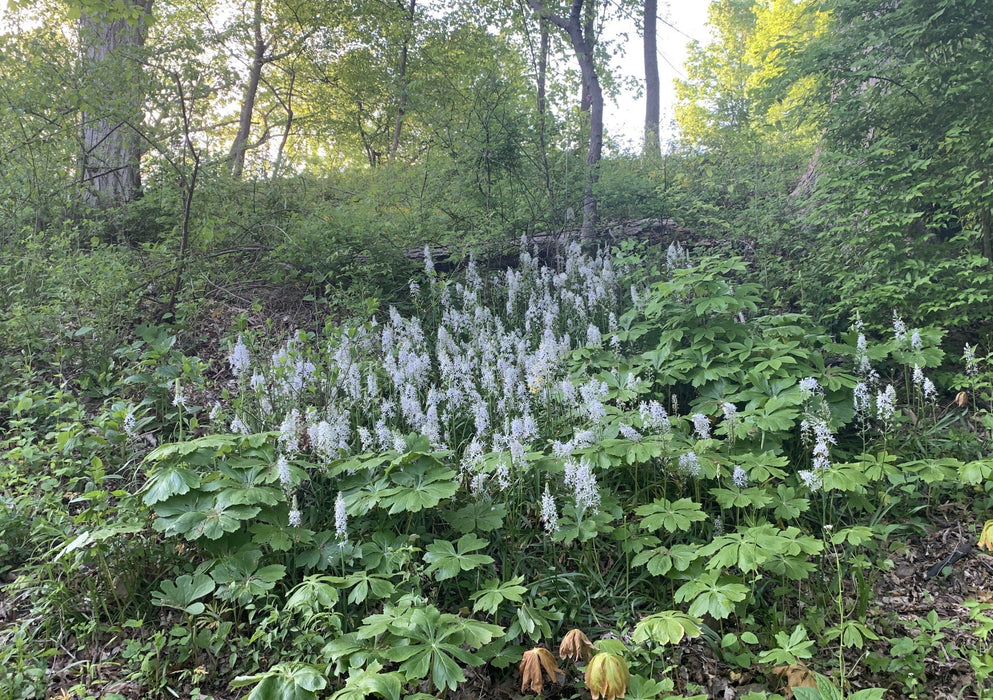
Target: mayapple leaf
[171, 481]
[493, 592]
[445, 561]
[667, 627]
[670, 516]
[182, 593]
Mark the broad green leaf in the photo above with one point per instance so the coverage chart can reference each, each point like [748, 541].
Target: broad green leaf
[171, 481]
[665, 628]
[493, 592]
[182, 593]
[672, 516]
[445, 561]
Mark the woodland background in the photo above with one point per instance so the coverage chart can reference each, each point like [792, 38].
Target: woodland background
[252, 443]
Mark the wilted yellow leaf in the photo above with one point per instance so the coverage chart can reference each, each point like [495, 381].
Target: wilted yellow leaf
[533, 663]
[607, 676]
[576, 646]
[986, 536]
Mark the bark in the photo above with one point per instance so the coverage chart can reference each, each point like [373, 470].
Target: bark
[239, 146]
[653, 145]
[543, 48]
[402, 79]
[110, 162]
[582, 38]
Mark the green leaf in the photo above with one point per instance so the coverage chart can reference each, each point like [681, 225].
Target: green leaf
[445, 561]
[423, 484]
[493, 592]
[182, 593]
[673, 517]
[711, 595]
[362, 683]
[171, 481]
[289, 680]
[667, 627]
[479, 516]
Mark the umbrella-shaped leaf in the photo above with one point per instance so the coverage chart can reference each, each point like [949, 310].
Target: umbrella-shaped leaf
[182, 594]
[667, 627]
[447, 561]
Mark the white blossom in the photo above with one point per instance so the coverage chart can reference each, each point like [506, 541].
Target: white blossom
[630, 433]
[340, 518]
[971, 362]
[689, 464]
[886, 404]
[809, 387]
[654, 416]
[739, 477]
[283, 469]
[549, 513]
[701, 426]
[239, 358]
[899, 327]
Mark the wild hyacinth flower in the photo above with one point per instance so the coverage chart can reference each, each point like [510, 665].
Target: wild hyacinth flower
[630, 433]
[593, 393]
[862, 399]
[654, 416]
[813, 479]
[340, 518]
[918, 377]
[289, 438]
[971, 362]
[130, 424]
[365, 439]
[238, 426]
[822, 439]
[295, 520]
[915, 341]
[178, 399]
[886, 404]
[239, 358]
[283, 469]
[809, 387]
[593, 337]
[689, 464]
[428, 261]
[718, 526]
[739, 477]
[701, 426]
[549, 513]
[899, 328]
[580, 477]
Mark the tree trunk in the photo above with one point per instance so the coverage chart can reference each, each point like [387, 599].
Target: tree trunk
[402, 80]
[582, 37]
[653, 145]
[239, 146]
[110, 162]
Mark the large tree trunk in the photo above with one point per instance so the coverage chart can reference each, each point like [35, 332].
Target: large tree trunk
[582, 37]
[402, 80]
[110, 162]
[239, 146]
[653, 145]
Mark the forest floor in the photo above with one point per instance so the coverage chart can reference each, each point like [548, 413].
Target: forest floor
[901, 597]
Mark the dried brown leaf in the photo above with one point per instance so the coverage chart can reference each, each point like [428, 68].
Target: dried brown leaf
[576, 646]
[535, 664]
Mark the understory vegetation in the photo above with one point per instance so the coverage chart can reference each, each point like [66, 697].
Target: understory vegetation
[415, 396]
